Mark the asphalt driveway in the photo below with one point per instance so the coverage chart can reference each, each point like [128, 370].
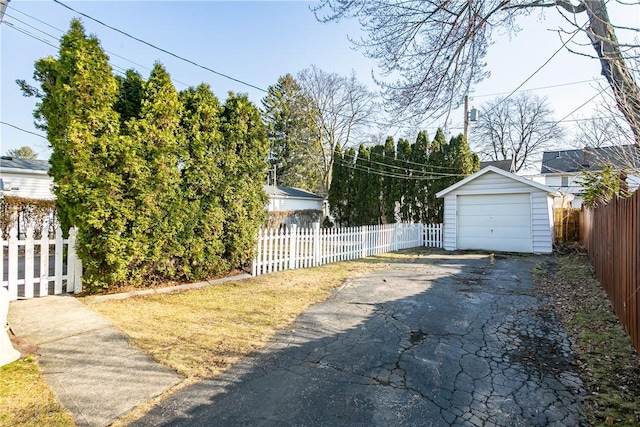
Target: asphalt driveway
[444, 340]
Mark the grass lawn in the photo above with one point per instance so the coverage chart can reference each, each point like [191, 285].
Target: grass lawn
[201, 333]
[26, 399]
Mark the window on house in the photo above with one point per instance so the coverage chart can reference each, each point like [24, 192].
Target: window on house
[565, 181]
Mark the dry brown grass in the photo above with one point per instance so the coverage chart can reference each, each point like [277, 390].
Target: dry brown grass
[26, 399]
[201, 333]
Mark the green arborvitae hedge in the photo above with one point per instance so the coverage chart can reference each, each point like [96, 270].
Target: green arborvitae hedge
[161, 185]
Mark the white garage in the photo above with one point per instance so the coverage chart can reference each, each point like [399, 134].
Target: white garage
[495, 210]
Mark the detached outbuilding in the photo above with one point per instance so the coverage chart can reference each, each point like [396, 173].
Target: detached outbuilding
[289, 206]
[495, 210]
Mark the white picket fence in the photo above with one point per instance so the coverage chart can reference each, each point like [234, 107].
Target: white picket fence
[38, 267]
[293, 247]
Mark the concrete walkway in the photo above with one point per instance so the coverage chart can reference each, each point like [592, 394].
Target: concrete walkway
[90, 366]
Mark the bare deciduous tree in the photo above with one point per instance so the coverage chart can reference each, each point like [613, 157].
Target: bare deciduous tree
[437, 48]
[518, 128]
[604, 127]
[342, 108]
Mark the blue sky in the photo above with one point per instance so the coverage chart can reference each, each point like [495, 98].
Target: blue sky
[259, 41]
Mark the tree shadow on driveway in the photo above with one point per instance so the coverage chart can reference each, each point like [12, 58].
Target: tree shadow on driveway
[450, 340]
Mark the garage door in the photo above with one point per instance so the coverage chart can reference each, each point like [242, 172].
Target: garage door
[496, 222]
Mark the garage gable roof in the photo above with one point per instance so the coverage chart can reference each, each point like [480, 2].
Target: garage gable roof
[493, 169]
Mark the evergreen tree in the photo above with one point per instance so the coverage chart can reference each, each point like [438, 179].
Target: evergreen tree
[405, 186]
[420, 185]
[130, 93]
[391, 194]
[243, 198]
[351, 191]
[295, 150]
[339, 185]
[77, 94]
[439, 168]
[157, 138]
[377, 183]
[202, 176]
[365, 190]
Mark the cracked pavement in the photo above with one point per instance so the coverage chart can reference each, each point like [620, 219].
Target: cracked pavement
[447, 339]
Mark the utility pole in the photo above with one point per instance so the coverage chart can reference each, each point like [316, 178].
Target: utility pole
[466, 117]
[469, 116]
[3, 6]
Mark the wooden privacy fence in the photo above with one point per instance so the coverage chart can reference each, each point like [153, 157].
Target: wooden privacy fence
[293, 247]
[38, 267]
[611, 235]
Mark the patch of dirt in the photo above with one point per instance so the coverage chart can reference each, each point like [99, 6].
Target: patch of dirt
[159, 284]
[607, 362]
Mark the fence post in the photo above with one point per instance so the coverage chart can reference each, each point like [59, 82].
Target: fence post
[317, 256]
[256, 254]
[28, 264]
[44, 262]
[293, 250]
[74, 263]
[58, 262]
[13, 264]
[77, 280]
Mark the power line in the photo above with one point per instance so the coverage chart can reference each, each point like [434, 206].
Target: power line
[113, 54]
[25, 32]
[182, 58]
[31, 26]
[355, 157]
[21, 129]
[361, 168]
[189, 61]
[538, 88]
[583, 104]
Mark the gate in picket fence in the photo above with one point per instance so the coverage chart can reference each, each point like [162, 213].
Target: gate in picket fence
[33, 267]
[294, 247]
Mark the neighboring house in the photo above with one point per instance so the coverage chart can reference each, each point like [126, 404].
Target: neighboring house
[29, 178]
[289, 206]
[25, 178]
[495, 210]
[505, 165]
[561, 169]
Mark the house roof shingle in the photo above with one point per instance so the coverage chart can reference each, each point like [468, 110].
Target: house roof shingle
[281, 191]
[505, 165]
[590, 159]
[7, 162]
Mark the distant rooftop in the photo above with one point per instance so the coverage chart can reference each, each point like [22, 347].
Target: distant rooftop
[505, 165]
[590, 159]
[7, 162]
[279, 190]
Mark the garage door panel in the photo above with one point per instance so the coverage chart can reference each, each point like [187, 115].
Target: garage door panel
[495, 232]
[500, 222]
[495, 199]
[513, 245]
[513, 209]
[496, 220]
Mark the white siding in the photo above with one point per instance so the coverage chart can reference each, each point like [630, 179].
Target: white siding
[290, 204]
[542, 222]
[33, 185]
[492, 184]
[450, 223]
